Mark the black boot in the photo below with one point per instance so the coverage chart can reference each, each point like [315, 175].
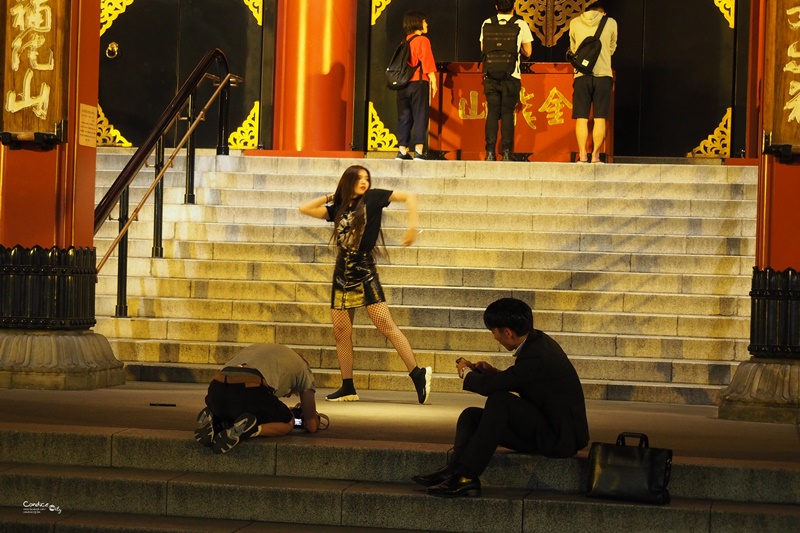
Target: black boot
[347, 392]
[422, 382]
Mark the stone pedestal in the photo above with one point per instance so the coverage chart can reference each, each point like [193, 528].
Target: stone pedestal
[46, 310]
[763, 390]
[57, 360]
[767, 387]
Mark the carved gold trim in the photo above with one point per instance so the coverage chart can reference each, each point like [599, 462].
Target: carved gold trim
[108, 135]
[380, 138]
[246, 136]
[549, 20]
[728, 10]
[377, 8]
[255, 7]
[110, 10]
[717, 144]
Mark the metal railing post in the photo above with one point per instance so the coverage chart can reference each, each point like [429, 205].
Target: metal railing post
[189, 197]
[158, 207]
[222, 132]
[122, 264]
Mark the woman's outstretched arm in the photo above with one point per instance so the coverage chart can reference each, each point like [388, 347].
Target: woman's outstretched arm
[410, 199]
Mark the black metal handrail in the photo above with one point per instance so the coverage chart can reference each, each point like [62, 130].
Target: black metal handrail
[163, 124]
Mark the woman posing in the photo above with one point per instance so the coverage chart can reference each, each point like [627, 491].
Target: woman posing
[355, 210]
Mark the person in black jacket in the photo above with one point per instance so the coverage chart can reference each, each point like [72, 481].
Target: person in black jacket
[547, 415]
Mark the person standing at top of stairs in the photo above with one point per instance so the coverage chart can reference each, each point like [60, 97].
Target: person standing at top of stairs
[355, 210]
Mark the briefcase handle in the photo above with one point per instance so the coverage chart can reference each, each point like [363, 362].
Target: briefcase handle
[644, 442]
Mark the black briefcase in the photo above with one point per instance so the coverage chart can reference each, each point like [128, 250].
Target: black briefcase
[632, 473]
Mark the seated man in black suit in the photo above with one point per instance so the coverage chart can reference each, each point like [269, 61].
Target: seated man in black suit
[547, 415]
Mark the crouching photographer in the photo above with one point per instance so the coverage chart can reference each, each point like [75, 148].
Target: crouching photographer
[243, 399]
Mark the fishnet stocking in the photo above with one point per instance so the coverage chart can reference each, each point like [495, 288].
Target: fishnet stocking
[382, 318]
[343, 333]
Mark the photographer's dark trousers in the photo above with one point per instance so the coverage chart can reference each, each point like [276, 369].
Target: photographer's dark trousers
[413, 107]
[506, 420]
[502, 98]
[229, 401]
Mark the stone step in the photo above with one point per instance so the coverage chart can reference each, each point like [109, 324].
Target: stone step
[480, 241]
[117, 471]
[263, 230]
[244, 260]
[587, 334]
[13, 520]
[145, 361]
[682, 353]
[431, 306]
[298, 457]
[275, 499]
[224, 206]
[535, 219]
[231, 189]
[290, 276]
[109, 164]
[618, 388]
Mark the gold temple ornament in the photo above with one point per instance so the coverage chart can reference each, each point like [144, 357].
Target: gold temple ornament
[717, 144]
[380, 138]
[246, 136]
[255, 7]
[110, 10]
[108, 135]
[377, 8]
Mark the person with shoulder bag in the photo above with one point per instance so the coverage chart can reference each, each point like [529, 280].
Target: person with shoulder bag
[591, 92]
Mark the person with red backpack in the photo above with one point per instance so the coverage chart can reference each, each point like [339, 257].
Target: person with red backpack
[413, 100]
[502, 38]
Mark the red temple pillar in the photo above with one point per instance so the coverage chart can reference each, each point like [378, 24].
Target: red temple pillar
[47, 183]
[314, 75]
[767, 387]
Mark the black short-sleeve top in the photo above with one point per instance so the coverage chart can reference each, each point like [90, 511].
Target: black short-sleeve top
[374, 202]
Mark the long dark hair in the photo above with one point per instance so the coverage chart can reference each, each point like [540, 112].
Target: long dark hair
[344, 195]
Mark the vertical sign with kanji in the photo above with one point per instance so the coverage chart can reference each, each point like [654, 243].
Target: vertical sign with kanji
[782, 73]
[36, 64]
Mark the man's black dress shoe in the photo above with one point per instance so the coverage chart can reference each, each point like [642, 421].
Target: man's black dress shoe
[434, 478]
[455, 486]
[490, 156]
[507, 155]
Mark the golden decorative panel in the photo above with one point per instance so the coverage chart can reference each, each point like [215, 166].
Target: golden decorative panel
[380, 138]
[246, 136]
[718, 144]
[549, 19]
[728, 10]
[255, 7]
[110, 10]
[377, 8]
[108, 135]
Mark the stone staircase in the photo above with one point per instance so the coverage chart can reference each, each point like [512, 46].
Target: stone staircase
[641, 272]
[128, 479]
